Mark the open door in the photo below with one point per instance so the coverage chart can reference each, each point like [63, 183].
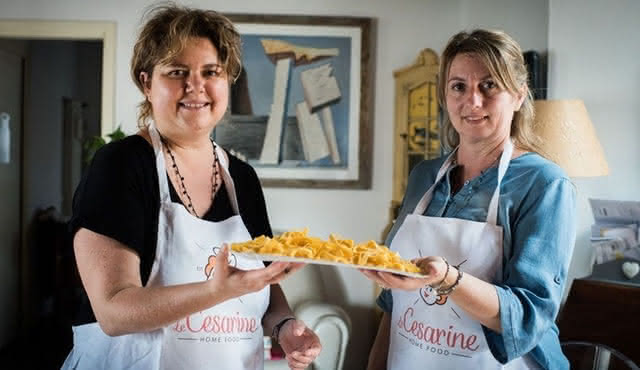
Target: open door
[11, 75]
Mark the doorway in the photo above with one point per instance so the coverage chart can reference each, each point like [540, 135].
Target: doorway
[11, 75]
[62, 92]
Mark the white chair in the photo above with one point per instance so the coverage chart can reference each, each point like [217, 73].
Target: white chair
[306, 295]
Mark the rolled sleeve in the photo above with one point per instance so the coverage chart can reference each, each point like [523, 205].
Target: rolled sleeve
[543, 238]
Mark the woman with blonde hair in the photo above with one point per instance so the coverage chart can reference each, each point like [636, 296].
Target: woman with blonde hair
[491, 224]
[155, 211]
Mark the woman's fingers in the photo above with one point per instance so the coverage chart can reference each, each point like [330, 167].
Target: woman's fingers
[222, 265]
[432, 266]
[246, 281]
[402, 282]
[294, 364]
[373, 276]
[286, 272]
[388, 280]
[369, 274]
[394, 281]
[264, 276]
[302, 357]
[295, 266]
[297, 360]
[273, 273]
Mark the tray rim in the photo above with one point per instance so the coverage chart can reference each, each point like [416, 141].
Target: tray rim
[277, 257]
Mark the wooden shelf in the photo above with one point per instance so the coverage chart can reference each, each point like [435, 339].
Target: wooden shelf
[603, 313]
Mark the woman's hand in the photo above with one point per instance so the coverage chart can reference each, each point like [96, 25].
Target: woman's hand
[299, 343]
[433, 268]
[230, 282]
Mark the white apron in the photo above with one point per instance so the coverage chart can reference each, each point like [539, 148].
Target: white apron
[227, 336]
[431, 330]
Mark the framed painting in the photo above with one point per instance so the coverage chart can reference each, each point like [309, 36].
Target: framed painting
[300, 112]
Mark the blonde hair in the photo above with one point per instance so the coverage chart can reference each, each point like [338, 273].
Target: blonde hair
[165, 35]
[503, 57]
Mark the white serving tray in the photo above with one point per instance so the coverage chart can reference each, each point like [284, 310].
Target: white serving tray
[276, 257]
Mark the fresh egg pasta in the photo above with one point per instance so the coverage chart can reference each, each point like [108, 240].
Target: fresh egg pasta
[299, 244]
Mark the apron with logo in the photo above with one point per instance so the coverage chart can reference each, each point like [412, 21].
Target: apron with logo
[432, 330]
[227, 336]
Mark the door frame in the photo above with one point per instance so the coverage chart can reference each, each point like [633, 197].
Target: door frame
[77, 31]
[69, 31]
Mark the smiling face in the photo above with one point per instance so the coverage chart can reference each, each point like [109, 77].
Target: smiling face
[189, 95]
[479, 109]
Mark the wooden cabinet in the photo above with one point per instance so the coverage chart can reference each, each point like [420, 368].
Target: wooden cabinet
[602, 312]
[416, 123]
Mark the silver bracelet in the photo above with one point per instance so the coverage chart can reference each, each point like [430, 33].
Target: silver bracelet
[450, 289]
[439, 284]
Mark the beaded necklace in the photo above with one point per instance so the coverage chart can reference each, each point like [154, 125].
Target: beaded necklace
[214, 175]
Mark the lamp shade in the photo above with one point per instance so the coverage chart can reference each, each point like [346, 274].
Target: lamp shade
[568, 137]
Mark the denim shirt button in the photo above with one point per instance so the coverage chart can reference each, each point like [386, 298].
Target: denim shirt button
[557, 280]
[466, 183]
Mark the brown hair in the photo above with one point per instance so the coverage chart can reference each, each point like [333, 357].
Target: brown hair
[165, 34]
[503, 57]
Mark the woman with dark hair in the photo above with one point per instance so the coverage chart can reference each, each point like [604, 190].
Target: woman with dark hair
[155, 211]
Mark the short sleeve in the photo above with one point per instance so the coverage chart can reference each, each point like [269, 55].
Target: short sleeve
[251, 202]
[385, 301]
[114, 198]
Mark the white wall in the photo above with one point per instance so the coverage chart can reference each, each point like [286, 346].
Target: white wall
[404, 27]
[594, 54]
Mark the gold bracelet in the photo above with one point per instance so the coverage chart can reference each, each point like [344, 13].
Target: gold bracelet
[449, 290]
[439, 284]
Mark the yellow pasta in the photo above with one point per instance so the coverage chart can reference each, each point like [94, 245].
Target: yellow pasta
[299, 244]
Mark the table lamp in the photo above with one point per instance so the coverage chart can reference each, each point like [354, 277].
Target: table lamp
[568, 138]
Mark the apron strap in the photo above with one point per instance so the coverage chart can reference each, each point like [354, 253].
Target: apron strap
[505, 158]
[158, 147]
[426, 198]
[228, 180]
[492, 212]
[163, 183]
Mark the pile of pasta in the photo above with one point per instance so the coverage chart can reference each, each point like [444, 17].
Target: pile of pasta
[299, 244]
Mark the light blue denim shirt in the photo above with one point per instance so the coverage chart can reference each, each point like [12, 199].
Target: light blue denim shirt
[538, 214]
